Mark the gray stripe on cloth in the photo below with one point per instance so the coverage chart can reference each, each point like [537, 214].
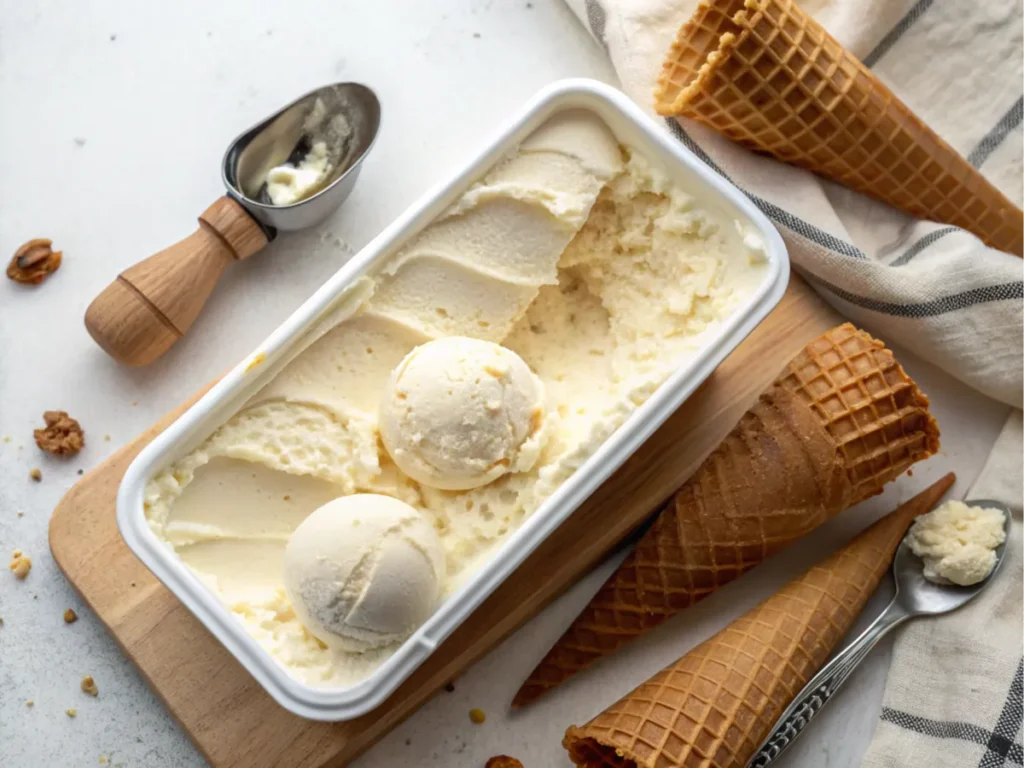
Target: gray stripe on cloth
[887, 42]
[772, 211]
[941, 306]
[951, 730]
[921, 244]
[596, 20]
[1008, 725]
[995, 137]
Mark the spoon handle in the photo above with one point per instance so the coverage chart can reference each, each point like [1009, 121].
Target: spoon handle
[820, 689]
[153, 303]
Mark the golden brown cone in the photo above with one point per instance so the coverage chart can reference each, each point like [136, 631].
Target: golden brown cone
[840, 421]
[714, 707]
[766, 75]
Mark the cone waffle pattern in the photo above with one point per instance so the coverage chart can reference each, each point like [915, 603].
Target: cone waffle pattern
[714, 707]
[841, 421]
[769, 77]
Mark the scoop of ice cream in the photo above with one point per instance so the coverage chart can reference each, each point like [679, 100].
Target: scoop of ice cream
[957, 542]
[459, 413]
[363, 571]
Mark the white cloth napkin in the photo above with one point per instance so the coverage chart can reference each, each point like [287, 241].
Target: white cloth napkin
[953, 695]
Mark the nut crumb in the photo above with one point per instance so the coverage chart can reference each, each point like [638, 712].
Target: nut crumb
[103, 759]
[70, 712]
[106, 438]
[62, 436]
[20, 513]
[33, 261]
[35, 474]
[30, 703]
[89, 686]
[21, 565]
[134, 403]
[70, 617]
[477, 715]
[503, 761]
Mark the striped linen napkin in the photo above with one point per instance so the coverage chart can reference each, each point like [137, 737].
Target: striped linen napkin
[953, 694]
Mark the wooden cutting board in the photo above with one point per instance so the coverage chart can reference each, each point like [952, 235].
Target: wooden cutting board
[225, 712]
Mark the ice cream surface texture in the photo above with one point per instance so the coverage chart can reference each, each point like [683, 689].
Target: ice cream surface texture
[289, 184]
[363, 571]
[459, 413]
[468, 375]
[957, 542]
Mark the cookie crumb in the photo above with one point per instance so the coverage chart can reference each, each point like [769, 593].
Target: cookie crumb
[134, 403]
[131, 583]
[450, 686]
[477, 715]
[503, 761]
[36, 474]
[70, 617]
[20, 513]
[70, 712]
[81, 471]
[106, 438]
[34, 261]
[30, 703]
[62, 436]
[20, 565]
[89, 686]
[103, 759]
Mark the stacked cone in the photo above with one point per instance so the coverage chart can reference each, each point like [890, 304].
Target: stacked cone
[769, 77]
[841, 421]
[715, 706]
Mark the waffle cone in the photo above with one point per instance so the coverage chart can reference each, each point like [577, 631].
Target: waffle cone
[769, 77]
[714, 707]
[840, 421]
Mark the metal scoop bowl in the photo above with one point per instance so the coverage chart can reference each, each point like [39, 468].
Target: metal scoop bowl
[152, 304]
[915, 596]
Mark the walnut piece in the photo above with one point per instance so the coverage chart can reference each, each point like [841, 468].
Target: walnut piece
[89, 686]
[35, 474]
[503, 761]
[63, 436]
[70, 617]
[34, 261]
[20, 564]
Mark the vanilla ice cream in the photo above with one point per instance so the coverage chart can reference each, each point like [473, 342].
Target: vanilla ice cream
[363, 571]
[574, 270]
[289, 184]
[957, 542]
[458, 413]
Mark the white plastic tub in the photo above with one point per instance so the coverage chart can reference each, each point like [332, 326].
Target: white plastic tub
[631, 127]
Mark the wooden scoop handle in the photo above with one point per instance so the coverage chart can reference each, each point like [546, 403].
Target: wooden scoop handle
[153, 304]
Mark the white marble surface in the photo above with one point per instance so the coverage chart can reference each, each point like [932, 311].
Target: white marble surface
[113, 119]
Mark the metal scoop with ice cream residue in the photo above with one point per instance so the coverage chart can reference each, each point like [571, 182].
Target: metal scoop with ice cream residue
[915, 596]
[287, 172]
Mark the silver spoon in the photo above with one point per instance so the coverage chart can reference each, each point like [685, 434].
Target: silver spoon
[915, 596]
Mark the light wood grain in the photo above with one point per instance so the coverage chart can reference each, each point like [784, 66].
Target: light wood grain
[152, 304]
[235, 723]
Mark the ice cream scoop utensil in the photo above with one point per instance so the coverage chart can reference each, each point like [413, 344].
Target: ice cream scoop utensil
[152, 304]
[915, 596]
